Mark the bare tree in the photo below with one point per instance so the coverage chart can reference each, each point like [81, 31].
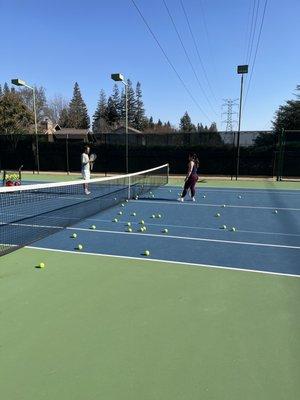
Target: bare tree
[55, 107]
[40, 99]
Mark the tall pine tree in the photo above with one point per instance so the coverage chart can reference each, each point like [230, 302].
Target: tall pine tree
[99, 117]
[1, 92]
[112, 115]
[78, 114]
[63, 121]
[186, 123]
[140, 121]
[131, 104]
[116, 99]
[151, 123]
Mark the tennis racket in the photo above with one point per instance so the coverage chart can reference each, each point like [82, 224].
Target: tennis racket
[93, 158]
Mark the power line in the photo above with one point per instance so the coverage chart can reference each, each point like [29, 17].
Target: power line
[187, 56]
[209, 45]
[169, 61]
[197, 50]
[250, 32]
[253, 33]
[256, 50]
[247, 31]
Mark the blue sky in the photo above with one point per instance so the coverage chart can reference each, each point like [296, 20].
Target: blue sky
[55, 43]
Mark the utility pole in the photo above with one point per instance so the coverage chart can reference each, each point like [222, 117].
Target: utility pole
[241, 70]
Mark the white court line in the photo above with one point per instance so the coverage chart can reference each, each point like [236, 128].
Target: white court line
[165, 261]
[234, 190]
[37, 226]
[137, 223]
[166, 236]
[190, 203]
[193, 227]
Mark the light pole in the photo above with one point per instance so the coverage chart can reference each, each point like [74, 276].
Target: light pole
[241, 69]
[19, 82]
[120, 78]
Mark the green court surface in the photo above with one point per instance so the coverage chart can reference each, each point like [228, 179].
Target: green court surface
[92, 327]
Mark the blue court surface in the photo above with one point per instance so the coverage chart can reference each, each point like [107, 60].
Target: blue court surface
[266, 237]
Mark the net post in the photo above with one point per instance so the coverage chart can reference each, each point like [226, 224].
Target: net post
[282, 155]
[168, 172]
[129, 183]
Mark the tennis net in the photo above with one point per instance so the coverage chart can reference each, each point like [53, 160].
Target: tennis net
[32, 212]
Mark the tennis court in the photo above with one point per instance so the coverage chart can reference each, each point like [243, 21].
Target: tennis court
[211, 313]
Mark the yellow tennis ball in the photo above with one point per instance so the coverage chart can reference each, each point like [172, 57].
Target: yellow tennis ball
[74, 235]
[93, 227]
[80, 247]
[147, 253]
[41, 265]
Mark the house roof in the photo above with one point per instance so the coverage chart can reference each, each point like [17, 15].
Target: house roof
[71, 133]
[74, 131]
[122, 128]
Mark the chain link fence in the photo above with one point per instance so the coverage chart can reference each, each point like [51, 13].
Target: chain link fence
[262, 153]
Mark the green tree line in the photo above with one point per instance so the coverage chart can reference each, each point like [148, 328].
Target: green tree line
[16, 112]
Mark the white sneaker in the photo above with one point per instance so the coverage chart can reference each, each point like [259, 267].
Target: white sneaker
[87, 192]
[193, 199]
[181, 199]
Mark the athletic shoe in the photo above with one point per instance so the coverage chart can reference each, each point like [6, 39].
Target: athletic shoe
[181, 199]
[193, 199]
[87, 192]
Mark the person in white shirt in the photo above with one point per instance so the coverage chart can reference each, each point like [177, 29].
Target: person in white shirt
[85, 168]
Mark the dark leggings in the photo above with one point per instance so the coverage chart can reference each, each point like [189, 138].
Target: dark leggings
[190, 184]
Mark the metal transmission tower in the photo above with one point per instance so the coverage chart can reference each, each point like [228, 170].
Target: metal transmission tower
[229, 103]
